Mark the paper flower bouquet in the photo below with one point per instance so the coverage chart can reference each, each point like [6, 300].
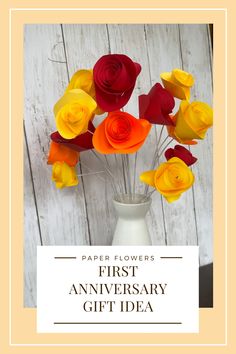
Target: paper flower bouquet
[106, 89]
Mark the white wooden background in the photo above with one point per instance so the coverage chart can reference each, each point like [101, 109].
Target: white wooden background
[84, 215]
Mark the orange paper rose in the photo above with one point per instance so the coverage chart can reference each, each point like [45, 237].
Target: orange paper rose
[60, 152]
[120, 132]
[171, 179]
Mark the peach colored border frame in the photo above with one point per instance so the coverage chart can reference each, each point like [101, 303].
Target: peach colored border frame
[213, 322]
[104, 10]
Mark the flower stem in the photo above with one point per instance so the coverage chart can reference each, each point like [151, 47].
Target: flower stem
[163, 142]
[134, 178]
[91, 173]
[163, 149]
[119, 179]
[90, 131]
[108, 171]
[124, 174]
[89, 169]
[150, 193]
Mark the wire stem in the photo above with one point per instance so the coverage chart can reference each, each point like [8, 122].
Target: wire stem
[163, 149]
[91, 173]
[108, 171]
[89, 169]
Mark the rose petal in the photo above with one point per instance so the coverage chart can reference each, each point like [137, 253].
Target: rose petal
[114, 76]
[60, 152]
[156, 106]
[169, 153]
[120, 133]
[182, 153]
[138, 133]
[82, 142]
[100, 140]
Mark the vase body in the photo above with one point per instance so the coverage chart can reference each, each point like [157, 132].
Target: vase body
[131, 228]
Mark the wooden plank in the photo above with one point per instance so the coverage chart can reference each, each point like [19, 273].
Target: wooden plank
[131, 40]
[196, 53]
[62, 213]
[31, 236]
[85, 44]
[164, 55]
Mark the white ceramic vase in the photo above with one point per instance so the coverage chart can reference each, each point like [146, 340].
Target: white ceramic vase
[131, 228]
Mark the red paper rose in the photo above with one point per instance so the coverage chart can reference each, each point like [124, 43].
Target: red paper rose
[82, 142]
[114, 78]
[156, 106]
[182, 153]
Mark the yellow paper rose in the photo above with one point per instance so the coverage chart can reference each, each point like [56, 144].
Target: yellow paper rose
[178, 83]
[192, 121]
[171, 132]
[63, 175]
[171, 179]
[83, 79]
[73, 112]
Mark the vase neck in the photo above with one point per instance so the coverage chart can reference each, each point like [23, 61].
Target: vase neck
[133, 206]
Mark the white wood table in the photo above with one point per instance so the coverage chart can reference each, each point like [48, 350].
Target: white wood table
[84, 215]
